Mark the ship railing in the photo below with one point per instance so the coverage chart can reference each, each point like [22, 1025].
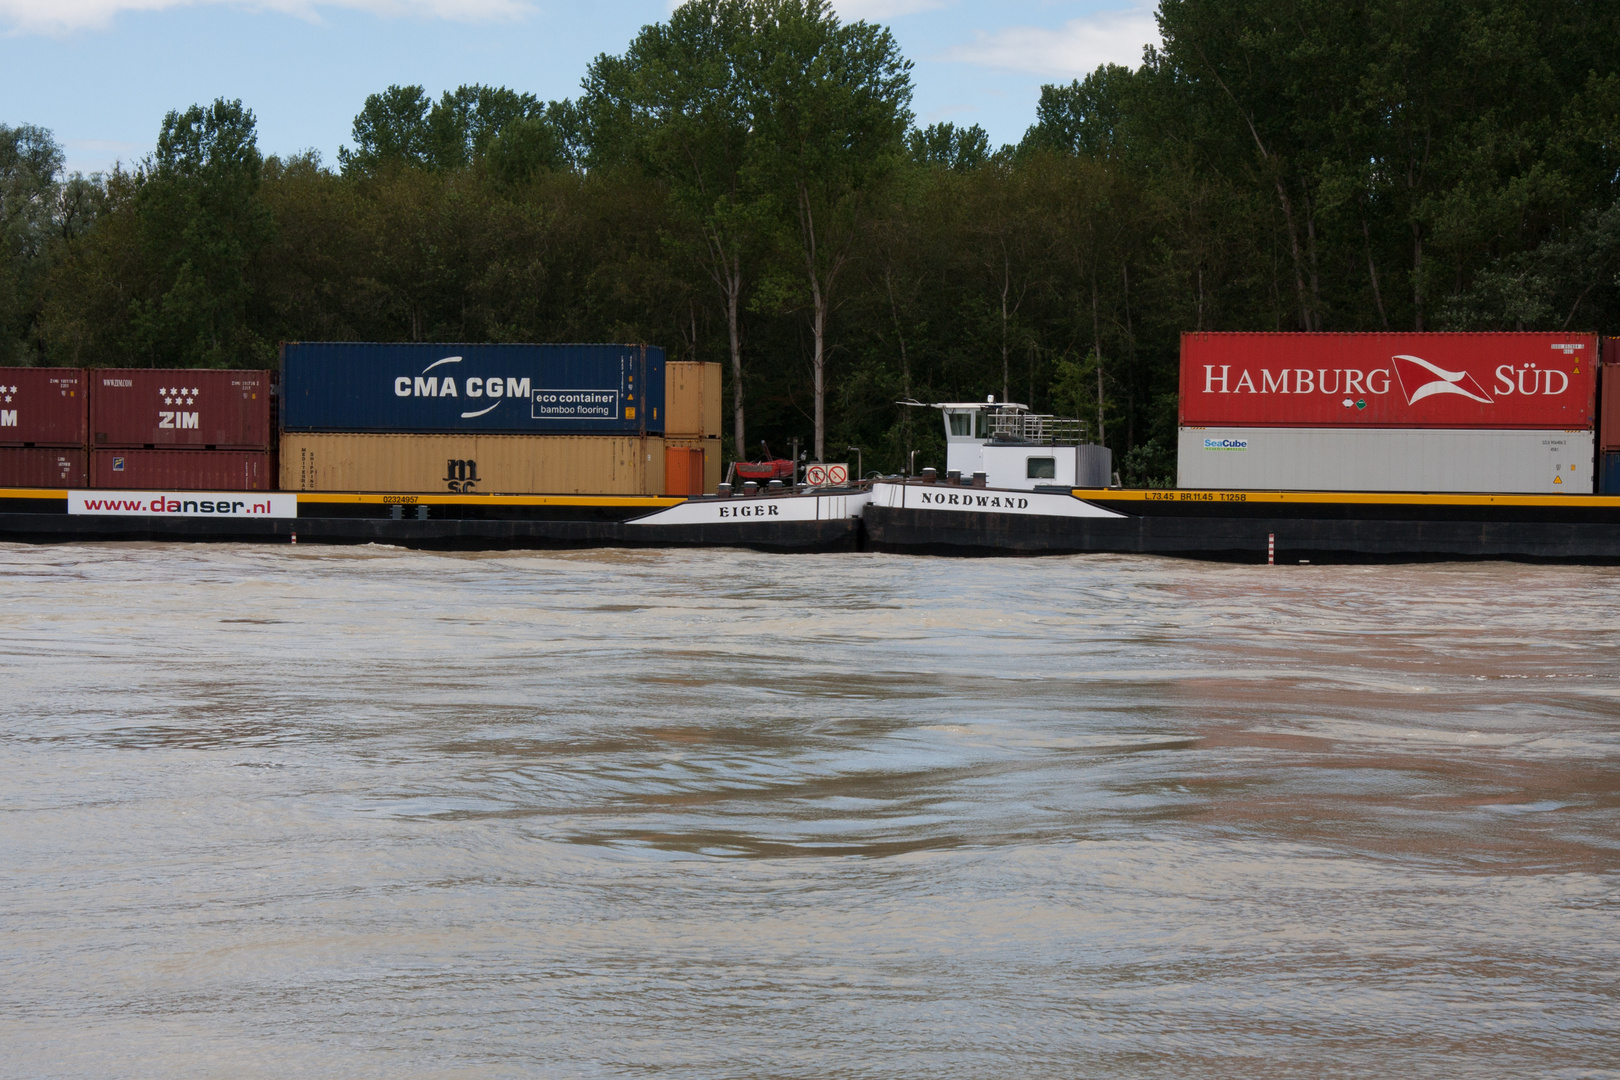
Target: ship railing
[1038, 429]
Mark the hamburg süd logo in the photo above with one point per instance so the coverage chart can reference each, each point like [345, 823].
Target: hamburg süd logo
[1420, 379]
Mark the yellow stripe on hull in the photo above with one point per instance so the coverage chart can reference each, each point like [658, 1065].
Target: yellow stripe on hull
[1357, 498]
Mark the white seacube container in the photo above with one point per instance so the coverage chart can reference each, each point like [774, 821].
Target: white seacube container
[1386, 459]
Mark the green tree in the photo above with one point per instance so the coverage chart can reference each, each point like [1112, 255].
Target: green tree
[203, 225]
[391, 128]
[30, 167]
[678, 104]
[831, 106]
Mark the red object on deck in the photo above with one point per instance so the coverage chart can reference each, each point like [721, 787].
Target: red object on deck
[157, 407]
[1389, 380]
[776, 469]
[181, 470]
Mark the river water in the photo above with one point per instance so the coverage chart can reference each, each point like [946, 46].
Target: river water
[275, 812]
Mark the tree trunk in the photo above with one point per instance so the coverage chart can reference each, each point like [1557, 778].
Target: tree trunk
[818, 362]
[1417, 277]
[733, 292]
[1372, 272]
[1316, 290]
[821, 286]
[905, 363]
[726, 272]
[1096, 340]
[1006, 286]
[1293, 247]
[1130, 363]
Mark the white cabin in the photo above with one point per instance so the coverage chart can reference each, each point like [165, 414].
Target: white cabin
[1019, 449]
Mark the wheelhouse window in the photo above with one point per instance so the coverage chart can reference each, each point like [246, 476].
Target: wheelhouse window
[1041, 468]
[961, 424]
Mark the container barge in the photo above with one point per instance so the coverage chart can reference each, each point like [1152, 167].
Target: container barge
[803, 522]
[582, 447]
[929, 517]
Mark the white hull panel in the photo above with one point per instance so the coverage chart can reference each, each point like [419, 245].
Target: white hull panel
[953, 500]
[742, 508]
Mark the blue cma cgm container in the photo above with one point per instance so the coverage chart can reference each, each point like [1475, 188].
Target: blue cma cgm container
[492, 389]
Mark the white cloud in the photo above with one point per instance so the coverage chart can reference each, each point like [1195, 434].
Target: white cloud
[63, 16]
[877, 10]
[1073, 50]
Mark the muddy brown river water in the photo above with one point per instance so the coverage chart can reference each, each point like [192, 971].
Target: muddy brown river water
[368, 812]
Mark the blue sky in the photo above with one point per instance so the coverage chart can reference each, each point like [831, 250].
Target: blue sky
[101, 73]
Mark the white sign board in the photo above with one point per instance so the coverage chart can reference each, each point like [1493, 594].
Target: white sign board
[825, 474]
[209, 504]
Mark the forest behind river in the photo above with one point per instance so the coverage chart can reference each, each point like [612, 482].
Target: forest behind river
[746, 184]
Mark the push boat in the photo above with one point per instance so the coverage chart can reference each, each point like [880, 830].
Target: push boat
[1016, 483]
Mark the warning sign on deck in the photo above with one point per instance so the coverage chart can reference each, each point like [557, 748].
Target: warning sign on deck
[822, 474]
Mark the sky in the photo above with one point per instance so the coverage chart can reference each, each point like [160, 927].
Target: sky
[101, 74]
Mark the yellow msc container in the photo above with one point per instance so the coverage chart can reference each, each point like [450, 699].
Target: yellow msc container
[474, 464]
[691, 399]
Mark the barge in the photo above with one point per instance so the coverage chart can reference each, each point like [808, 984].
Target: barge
[801, 522]
[1018, 483]
[922, 517]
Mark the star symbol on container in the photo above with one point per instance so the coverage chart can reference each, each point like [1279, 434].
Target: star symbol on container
[161, 390]
[168, 401]
[194, 390]
[188, 401]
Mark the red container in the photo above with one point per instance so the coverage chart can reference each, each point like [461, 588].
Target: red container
[1609, 415]
[42, 406]
[1389, 380]
[181, 470]
[155, 407]
[38, 467]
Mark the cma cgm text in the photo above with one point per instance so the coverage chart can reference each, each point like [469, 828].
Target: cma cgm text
[445, 386]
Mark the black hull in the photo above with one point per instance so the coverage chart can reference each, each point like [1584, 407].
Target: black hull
[451, 534]
[1230, 534]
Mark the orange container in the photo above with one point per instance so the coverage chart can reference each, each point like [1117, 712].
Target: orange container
[683, 471]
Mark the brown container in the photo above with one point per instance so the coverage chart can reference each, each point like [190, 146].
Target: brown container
[161, 407]
[181, 470]
[476, 464]
[42, 406]
[35, 467]
[711, 461]
[691, 399]
[1609, 410]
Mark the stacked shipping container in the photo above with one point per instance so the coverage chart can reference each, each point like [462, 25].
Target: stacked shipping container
[692, 428]
[180, 429]
[1388, 412]
[1609, 417]
[486, 419]
[42, 427]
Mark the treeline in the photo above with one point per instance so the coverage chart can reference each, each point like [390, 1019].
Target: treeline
[745, 184]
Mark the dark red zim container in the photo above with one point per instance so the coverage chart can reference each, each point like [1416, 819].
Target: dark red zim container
[1389, 380]
[40, 467]
[156, 407]
[181, 470]
[1609, 415]
[43, 406]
